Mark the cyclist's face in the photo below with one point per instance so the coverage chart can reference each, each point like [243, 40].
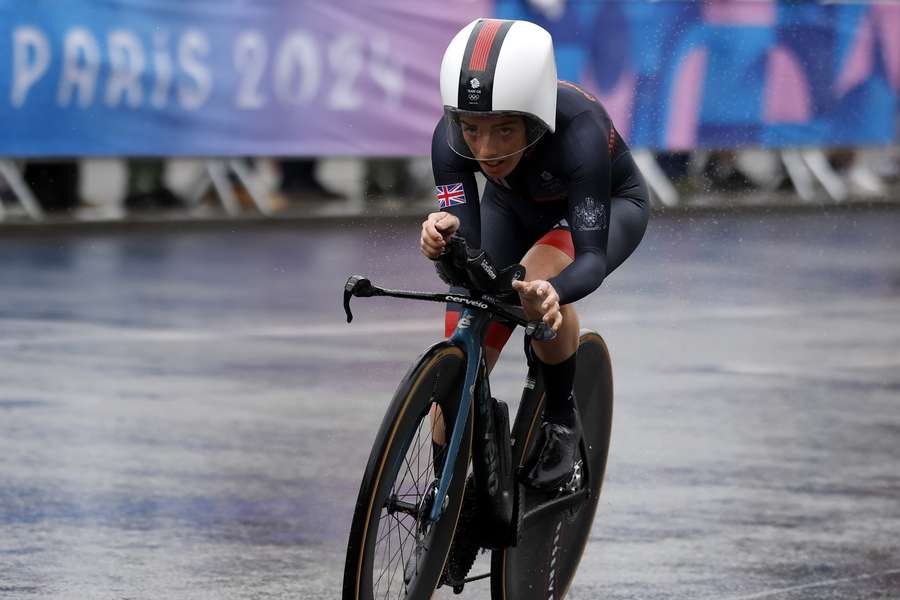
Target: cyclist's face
[496, 141]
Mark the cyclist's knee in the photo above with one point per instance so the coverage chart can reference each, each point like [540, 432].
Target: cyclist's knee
[543, 261]
[565, 343]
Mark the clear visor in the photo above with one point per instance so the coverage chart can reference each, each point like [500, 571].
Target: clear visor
[490, 136]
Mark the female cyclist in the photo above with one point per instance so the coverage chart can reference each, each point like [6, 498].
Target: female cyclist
[563, 197]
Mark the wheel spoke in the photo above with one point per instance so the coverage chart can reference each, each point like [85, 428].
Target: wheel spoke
[416, 443]
[386, 552]
[386, 534]
[391, 561]
[402, 557]
[399, 524]
[409, 471]
[392, 568]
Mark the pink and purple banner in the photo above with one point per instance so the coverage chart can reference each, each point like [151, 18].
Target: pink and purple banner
[272, 77]
[732, 73]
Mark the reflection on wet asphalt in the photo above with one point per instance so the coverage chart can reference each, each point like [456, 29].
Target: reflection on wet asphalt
[186, 415]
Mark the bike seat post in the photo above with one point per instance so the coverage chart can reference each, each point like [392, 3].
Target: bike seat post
[469, 334]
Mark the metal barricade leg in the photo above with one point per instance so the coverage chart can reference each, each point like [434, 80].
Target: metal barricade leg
[250, 182]
[823, 172]
[20, 190]
[656, 178]
[218, 173]
[799, 174]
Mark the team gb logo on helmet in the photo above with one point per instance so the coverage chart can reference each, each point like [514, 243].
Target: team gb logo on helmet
[474, 90]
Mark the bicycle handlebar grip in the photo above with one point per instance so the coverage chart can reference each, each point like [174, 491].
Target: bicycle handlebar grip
[357, 285]
[360, 286]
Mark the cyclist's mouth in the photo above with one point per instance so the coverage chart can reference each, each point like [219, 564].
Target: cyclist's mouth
[493, 165]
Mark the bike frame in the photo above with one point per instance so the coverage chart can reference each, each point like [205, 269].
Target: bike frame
[478, 311]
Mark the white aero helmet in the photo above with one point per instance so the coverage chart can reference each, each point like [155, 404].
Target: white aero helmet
[501, 67]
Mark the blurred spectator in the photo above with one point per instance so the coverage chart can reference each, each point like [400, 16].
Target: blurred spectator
[55, 184]
[146, 188]
[299, 182]
[392, 179]
[674, 164]
[723, 172]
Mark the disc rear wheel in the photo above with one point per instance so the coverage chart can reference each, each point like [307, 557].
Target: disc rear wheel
[543, 563]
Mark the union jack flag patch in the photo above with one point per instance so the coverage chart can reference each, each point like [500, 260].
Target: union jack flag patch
[450, 195]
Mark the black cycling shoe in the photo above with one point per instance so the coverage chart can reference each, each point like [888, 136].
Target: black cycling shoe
[556, 461]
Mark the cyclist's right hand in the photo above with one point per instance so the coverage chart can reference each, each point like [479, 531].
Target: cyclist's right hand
[436, 230]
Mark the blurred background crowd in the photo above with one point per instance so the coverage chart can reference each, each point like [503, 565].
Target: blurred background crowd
[118, 188]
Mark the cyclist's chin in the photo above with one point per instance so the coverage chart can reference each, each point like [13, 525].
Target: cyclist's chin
[499, 168]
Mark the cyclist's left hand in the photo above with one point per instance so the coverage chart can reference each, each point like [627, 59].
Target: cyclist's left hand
[540, 297]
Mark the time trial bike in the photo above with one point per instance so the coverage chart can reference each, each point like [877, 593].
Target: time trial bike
[444, 477]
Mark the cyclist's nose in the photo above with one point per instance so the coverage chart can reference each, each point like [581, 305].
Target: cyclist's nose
[488, 147]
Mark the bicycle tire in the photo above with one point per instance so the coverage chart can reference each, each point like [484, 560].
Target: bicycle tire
[534, 569]
[436, 377]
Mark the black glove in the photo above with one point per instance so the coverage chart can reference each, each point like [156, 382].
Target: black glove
[481, 270]
[450, 273]
[473, 268]
[451, 264]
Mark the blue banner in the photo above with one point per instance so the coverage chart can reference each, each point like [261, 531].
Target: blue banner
[343, 77]
[213, 77]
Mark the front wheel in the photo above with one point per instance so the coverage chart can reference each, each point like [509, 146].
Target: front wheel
[394, 552]
[543, 563]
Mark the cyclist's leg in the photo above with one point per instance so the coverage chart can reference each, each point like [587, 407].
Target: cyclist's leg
[547, 258]
[556, 358]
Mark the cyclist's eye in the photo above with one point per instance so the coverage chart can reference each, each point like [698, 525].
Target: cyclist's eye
[506, 131]
[469, 130]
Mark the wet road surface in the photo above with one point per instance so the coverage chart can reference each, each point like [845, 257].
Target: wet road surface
[186, 415]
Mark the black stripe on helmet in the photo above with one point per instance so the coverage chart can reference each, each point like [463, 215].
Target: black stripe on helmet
[476, 85]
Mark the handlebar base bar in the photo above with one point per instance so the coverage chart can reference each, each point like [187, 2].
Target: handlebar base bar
[361, 287]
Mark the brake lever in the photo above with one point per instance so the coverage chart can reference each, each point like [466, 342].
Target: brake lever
[357, 285]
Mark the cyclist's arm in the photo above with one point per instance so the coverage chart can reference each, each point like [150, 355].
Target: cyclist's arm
[589, 204]
[452, 170]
